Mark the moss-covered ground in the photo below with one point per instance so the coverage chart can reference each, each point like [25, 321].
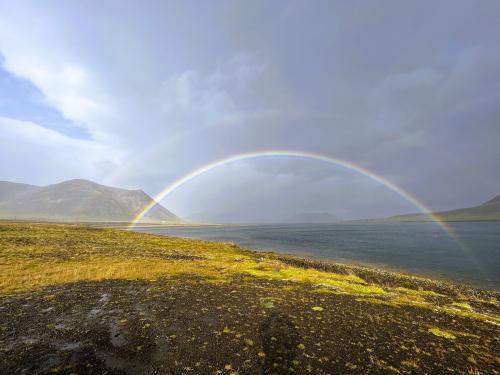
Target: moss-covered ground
[75, 299]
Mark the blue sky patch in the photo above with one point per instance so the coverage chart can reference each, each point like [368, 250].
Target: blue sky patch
[21, 100]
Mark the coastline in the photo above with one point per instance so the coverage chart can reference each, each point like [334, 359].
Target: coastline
[383, 253]
[75, 298]
[320, 262]
[380, 266]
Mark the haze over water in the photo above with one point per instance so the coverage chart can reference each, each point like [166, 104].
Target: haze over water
[415, 247]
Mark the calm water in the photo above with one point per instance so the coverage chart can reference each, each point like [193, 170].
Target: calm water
[421, 248]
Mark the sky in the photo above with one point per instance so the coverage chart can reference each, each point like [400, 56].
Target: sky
[138, 94]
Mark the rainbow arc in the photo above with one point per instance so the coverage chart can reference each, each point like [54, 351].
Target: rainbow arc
[173, 186]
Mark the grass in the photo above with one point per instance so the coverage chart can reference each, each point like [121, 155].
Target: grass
[32, 259]
[442, 333]
[35, 256]
[195, 295]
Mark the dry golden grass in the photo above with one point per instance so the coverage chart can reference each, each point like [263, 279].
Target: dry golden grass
[34, 256]
[38, 255]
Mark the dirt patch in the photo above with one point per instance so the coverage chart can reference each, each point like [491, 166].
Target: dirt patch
[247, 326]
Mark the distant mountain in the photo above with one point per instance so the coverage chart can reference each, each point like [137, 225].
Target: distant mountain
[9, 189]
[489, 210]
[77, 200]
[313, 218]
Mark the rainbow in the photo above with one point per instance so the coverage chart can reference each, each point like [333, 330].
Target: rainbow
[293, 154]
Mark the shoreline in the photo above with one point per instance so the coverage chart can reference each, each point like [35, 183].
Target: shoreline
[323, 261]
[383, 267]
[125, 224]
[80, 299]
[379, 271]
[391, 277]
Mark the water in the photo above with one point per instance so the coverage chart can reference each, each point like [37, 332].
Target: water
[418, 248]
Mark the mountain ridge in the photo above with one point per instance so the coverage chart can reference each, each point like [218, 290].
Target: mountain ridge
[487, 211]
[78, 200]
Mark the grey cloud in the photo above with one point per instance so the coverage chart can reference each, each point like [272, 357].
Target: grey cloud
[408, 90]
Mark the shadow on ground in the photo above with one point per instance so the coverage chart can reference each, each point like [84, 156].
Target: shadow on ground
[247, 326]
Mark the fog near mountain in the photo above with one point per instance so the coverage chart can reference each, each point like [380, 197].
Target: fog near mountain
[83, 200]
[313, 218]
[77, 200]
[9, 189]
[489, 210]
[298, 218]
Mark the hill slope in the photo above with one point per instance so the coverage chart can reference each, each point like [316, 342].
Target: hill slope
[489, 210]
[10, 189]
[77, 200]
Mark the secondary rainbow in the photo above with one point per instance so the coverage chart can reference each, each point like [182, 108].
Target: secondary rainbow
[291, 154]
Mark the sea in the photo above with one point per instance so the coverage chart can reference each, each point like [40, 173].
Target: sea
[421, 248]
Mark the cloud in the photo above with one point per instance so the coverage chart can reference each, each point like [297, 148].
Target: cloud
[160, 89]
[33, 55]
[49, 156]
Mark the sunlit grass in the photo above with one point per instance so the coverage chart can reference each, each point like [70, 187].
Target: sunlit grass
[442, 333]
[34, 256]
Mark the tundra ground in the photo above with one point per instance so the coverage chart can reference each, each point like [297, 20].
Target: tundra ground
[75, 299]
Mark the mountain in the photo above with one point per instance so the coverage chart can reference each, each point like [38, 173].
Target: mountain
[9, 189]
[77, 200]
[313, 218]
[487, 211]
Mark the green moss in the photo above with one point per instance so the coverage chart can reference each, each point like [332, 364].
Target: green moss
[470, 314]
[404, 301]
[341, 283]
[326, 291]
[415, 292]
[377, 301]
[34, 256]
[442, 333]
[462, 305]
[267, 303]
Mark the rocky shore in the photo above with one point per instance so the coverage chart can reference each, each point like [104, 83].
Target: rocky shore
[81, 300]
